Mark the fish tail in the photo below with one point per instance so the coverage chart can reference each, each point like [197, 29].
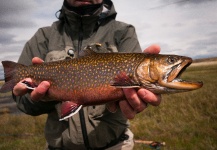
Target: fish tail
[10, 69]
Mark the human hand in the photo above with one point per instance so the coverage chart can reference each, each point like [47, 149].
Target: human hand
[38, 92]
[137, 100]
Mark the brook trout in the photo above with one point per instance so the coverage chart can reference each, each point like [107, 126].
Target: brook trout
[98, 78]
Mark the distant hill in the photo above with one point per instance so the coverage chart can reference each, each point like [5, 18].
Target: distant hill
[1, 74]
[205, 60]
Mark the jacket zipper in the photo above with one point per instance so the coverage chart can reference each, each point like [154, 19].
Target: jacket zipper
[81, 112]
[80, 36]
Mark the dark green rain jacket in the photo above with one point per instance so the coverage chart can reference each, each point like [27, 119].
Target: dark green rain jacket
[73, 32]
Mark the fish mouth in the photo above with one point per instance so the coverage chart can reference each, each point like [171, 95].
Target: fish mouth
[174, 81]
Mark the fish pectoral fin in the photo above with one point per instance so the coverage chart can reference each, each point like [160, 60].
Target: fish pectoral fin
[122, 80]
[68, 109]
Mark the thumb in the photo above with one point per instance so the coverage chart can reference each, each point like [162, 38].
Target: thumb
[37, 60]
[153, 49]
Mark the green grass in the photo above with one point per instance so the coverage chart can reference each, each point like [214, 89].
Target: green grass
[22, 132]
[185, 121]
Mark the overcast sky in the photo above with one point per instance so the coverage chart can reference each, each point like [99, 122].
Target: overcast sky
[183, 27]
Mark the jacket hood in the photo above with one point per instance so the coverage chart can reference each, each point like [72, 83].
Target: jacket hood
[75, 24]
[106, 11]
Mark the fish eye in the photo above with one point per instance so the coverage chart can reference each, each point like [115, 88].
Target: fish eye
[171, 60]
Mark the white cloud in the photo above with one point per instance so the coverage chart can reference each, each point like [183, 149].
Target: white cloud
[178, 26]
[19, 22]
[175, 25]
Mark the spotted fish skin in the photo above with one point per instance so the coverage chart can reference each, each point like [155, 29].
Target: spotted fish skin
[98, 78]
[85, 80]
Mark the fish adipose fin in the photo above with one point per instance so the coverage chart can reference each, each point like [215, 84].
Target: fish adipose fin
[10, 69]
[122, 80]
[68, 109]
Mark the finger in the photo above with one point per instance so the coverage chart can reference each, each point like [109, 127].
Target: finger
[153, 49]
[37, 60]
[134, 100]
[149, 97]
[40, 91]
[126, 109]
[20, 89]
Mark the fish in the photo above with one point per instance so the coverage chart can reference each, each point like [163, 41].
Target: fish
[98, 78]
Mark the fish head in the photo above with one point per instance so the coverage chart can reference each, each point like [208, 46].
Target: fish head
[164, 73]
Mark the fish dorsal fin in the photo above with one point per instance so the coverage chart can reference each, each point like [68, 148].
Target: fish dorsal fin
[68, 109]
[122, 80]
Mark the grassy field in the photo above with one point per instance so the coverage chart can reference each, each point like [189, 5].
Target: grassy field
[185, 121]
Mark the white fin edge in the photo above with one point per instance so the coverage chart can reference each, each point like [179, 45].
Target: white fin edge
[126, 87]
[71, 114]
[28, 87]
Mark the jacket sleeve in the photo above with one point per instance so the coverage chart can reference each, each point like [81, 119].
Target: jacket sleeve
[126, 38]
[35, 47]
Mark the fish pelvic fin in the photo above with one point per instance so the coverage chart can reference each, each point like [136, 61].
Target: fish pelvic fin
[122, 80]
[10, 69]
[68, 109]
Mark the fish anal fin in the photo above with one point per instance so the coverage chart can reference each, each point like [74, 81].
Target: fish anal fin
[68, 109]
[122, 80]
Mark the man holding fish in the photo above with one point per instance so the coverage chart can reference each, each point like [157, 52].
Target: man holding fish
[81, 23]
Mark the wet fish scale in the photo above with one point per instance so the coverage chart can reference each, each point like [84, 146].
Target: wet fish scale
[99, 77]
[80, 75]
